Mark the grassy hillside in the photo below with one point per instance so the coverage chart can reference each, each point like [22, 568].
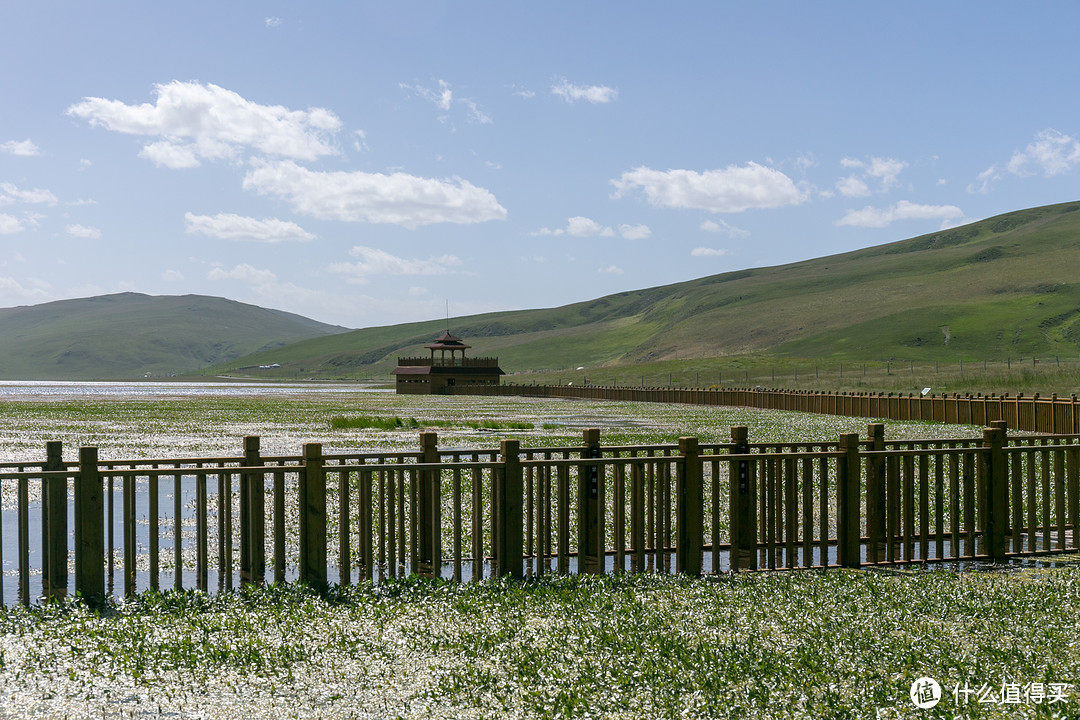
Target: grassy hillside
[1002, 287]
[131, 335]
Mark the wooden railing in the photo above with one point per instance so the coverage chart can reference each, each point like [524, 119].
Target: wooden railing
[1031, 413]
[693, 508]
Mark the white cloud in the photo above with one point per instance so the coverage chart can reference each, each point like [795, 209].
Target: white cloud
[884, 170]
[272, 22]
[372, 261]
[852, 186]
[585, 227]
[26, 291]
[611, 270]
[83, 231]
[903, 210]
[1052, 153]
[243, 273]
[172, 276]
[732, 189]
[237, 227]
[360, 141]
[985, 180]
[708, 252]
[595, 94]
[11, 194]
[170, 155]
[205, 122]
[719, 226]
[443, 99]
[398, 199]
[21, 148]
[579, 226]
[635, 232]
[9, 224]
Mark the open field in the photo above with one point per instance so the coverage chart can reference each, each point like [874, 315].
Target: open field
[787, 644]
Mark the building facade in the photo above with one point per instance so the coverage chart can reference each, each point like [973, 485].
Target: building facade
[447, 367]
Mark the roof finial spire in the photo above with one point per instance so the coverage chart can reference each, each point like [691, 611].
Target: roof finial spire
[448, 316]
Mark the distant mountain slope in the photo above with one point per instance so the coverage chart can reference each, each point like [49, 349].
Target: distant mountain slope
[1006, 286]
[130, 335]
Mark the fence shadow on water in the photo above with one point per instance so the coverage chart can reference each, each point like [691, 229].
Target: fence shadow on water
[118, 527]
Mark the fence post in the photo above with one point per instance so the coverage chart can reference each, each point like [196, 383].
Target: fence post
[429, 560]
[89, 530]
[688, 509]
[590, 504]
[253, 515]
[509, 490]
[54, 530]
[848, 518]
[313, 517]
[875, 494]
[742, 516]
[995, 476]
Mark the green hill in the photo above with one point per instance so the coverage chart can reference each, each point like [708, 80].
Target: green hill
[131, 335]
[1006, 286]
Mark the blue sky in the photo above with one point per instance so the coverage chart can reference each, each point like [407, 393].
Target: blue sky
[369, 163]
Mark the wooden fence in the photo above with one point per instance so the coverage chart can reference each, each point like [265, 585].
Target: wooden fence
[1031, 413]
[466, 514]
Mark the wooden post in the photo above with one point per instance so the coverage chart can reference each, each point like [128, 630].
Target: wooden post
[848, 518]
[875, 494]
[429, 507]
[590, 504]
[253, 513]
[509, 491]
[689, 510]
[54, 526]
[313, 517]
[996, 478]
[89, 530]
[743, 512]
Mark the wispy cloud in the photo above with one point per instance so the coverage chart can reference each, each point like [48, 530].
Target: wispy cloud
[374, 262]
[708, 252]
[444, 99]
[83, 231]
[595, 94]
[227, 226]
[397, 199]
[872, 217]
[9, 224]
[728, 190]
[721, 227]
[10, 194]
[21, 148]
[1050, 153]
[883, 172]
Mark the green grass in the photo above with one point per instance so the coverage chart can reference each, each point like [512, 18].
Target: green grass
[999, 288]
[365, 422]
[835, 644]
[784, 645]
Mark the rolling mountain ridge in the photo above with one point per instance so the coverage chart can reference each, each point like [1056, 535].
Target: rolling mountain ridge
[1005, 286]
[130, 335]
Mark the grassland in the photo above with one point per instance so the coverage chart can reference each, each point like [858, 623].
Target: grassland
[995, 291]
[837, 644]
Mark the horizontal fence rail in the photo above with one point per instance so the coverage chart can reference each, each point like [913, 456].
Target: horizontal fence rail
[1029, 413]
[103, 528]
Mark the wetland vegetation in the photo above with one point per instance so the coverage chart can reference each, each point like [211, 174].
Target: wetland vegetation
[810, 644]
